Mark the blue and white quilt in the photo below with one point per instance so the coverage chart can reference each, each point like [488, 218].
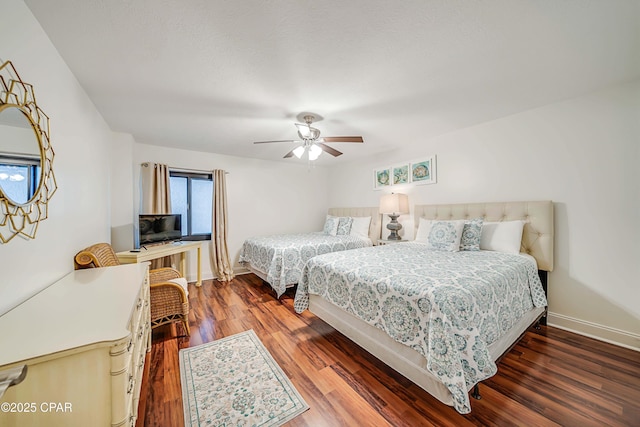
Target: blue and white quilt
[283, 256]
[448, 306]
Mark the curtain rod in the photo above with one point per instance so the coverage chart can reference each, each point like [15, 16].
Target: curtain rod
[184, 169]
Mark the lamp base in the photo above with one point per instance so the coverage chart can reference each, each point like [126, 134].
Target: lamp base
[394, 226]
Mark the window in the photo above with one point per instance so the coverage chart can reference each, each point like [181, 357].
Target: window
[192, 197]
[19, 177]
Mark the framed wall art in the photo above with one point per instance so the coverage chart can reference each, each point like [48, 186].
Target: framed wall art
[382, 178]
[423, 171]
[401, 174]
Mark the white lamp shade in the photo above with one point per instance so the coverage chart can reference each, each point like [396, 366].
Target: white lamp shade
[394, 203]
[299, 151]
[314, 152]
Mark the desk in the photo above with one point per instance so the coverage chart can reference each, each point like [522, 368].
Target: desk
[159, 251]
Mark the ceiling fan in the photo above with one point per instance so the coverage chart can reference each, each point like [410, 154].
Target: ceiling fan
[310, 141]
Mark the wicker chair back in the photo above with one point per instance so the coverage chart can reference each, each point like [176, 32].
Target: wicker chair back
[98, 255]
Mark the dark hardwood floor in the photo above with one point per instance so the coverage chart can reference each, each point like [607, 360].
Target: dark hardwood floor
[551, 377]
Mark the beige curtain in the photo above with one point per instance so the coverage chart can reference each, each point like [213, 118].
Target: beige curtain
[156, 199]
[156, 194]
[220, 263]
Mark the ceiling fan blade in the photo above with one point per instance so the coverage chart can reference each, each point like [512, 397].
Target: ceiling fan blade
[289, 154]
[269, 142]
[343, 139]
[327, 149]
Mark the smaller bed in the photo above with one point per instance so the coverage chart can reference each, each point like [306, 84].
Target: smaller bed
[279, 259]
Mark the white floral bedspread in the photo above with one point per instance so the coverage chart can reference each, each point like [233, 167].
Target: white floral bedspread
[283, 256]
[448, 306]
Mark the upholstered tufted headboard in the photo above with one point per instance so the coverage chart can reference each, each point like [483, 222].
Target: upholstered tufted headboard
[375, 227]
[537, 237]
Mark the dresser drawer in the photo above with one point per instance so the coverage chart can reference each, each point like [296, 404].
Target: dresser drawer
[141, 305]
[127, 375]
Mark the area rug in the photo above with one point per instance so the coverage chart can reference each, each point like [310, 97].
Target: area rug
[234, 381]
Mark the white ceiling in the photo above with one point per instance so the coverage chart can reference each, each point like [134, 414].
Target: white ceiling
[216, 75]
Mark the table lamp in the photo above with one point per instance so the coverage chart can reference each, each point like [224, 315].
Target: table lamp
[394, 205]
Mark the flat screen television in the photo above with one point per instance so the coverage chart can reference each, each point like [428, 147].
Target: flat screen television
[156, 228]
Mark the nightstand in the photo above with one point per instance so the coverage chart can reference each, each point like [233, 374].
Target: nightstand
[382, 242]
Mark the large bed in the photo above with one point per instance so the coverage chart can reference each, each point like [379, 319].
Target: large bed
[441, 319]
[279, 259]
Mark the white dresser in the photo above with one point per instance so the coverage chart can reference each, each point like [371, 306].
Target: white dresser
[84, 341]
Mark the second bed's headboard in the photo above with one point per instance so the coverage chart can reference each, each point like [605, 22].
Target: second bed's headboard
[537, 237]
[375, 227]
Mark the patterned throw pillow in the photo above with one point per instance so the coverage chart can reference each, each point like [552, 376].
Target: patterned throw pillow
[331, 225]
[471, 234]
[445, 235]
[440, 235]
[344, 225]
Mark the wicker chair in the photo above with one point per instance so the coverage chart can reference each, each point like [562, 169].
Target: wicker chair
[169, 301]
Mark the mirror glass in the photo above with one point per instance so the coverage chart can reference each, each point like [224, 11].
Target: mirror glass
[20, 155]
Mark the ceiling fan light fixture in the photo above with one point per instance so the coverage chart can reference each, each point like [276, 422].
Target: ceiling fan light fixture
[299, 151]
[314, 152]
[304, 131]
[307, 132]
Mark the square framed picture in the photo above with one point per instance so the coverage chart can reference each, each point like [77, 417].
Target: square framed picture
[424, 171]
[401, 174]
[382, 178]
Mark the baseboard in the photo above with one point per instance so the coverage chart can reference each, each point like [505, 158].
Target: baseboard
[240, 270]
[192, 278]
[594, 330]
[236, 271]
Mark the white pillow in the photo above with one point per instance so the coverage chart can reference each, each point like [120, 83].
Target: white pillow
[331, 225]
[423, 231]
[505, 236]
[360, 226]
[440, 235]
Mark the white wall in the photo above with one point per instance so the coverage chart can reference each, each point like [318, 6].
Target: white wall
[263, 197]
[122, 198]
[78, 211]
[583, 154]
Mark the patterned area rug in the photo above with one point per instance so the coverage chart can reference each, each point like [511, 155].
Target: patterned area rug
[234, 381]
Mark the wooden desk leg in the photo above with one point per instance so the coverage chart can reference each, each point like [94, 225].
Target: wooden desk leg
[199, 281]
[183, 264]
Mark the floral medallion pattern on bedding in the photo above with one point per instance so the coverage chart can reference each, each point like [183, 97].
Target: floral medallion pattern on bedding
[448, 306]
[282, 257]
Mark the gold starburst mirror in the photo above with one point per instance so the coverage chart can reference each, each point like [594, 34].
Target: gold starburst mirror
[26, 157]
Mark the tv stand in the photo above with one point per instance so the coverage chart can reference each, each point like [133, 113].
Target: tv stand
[149, 253]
